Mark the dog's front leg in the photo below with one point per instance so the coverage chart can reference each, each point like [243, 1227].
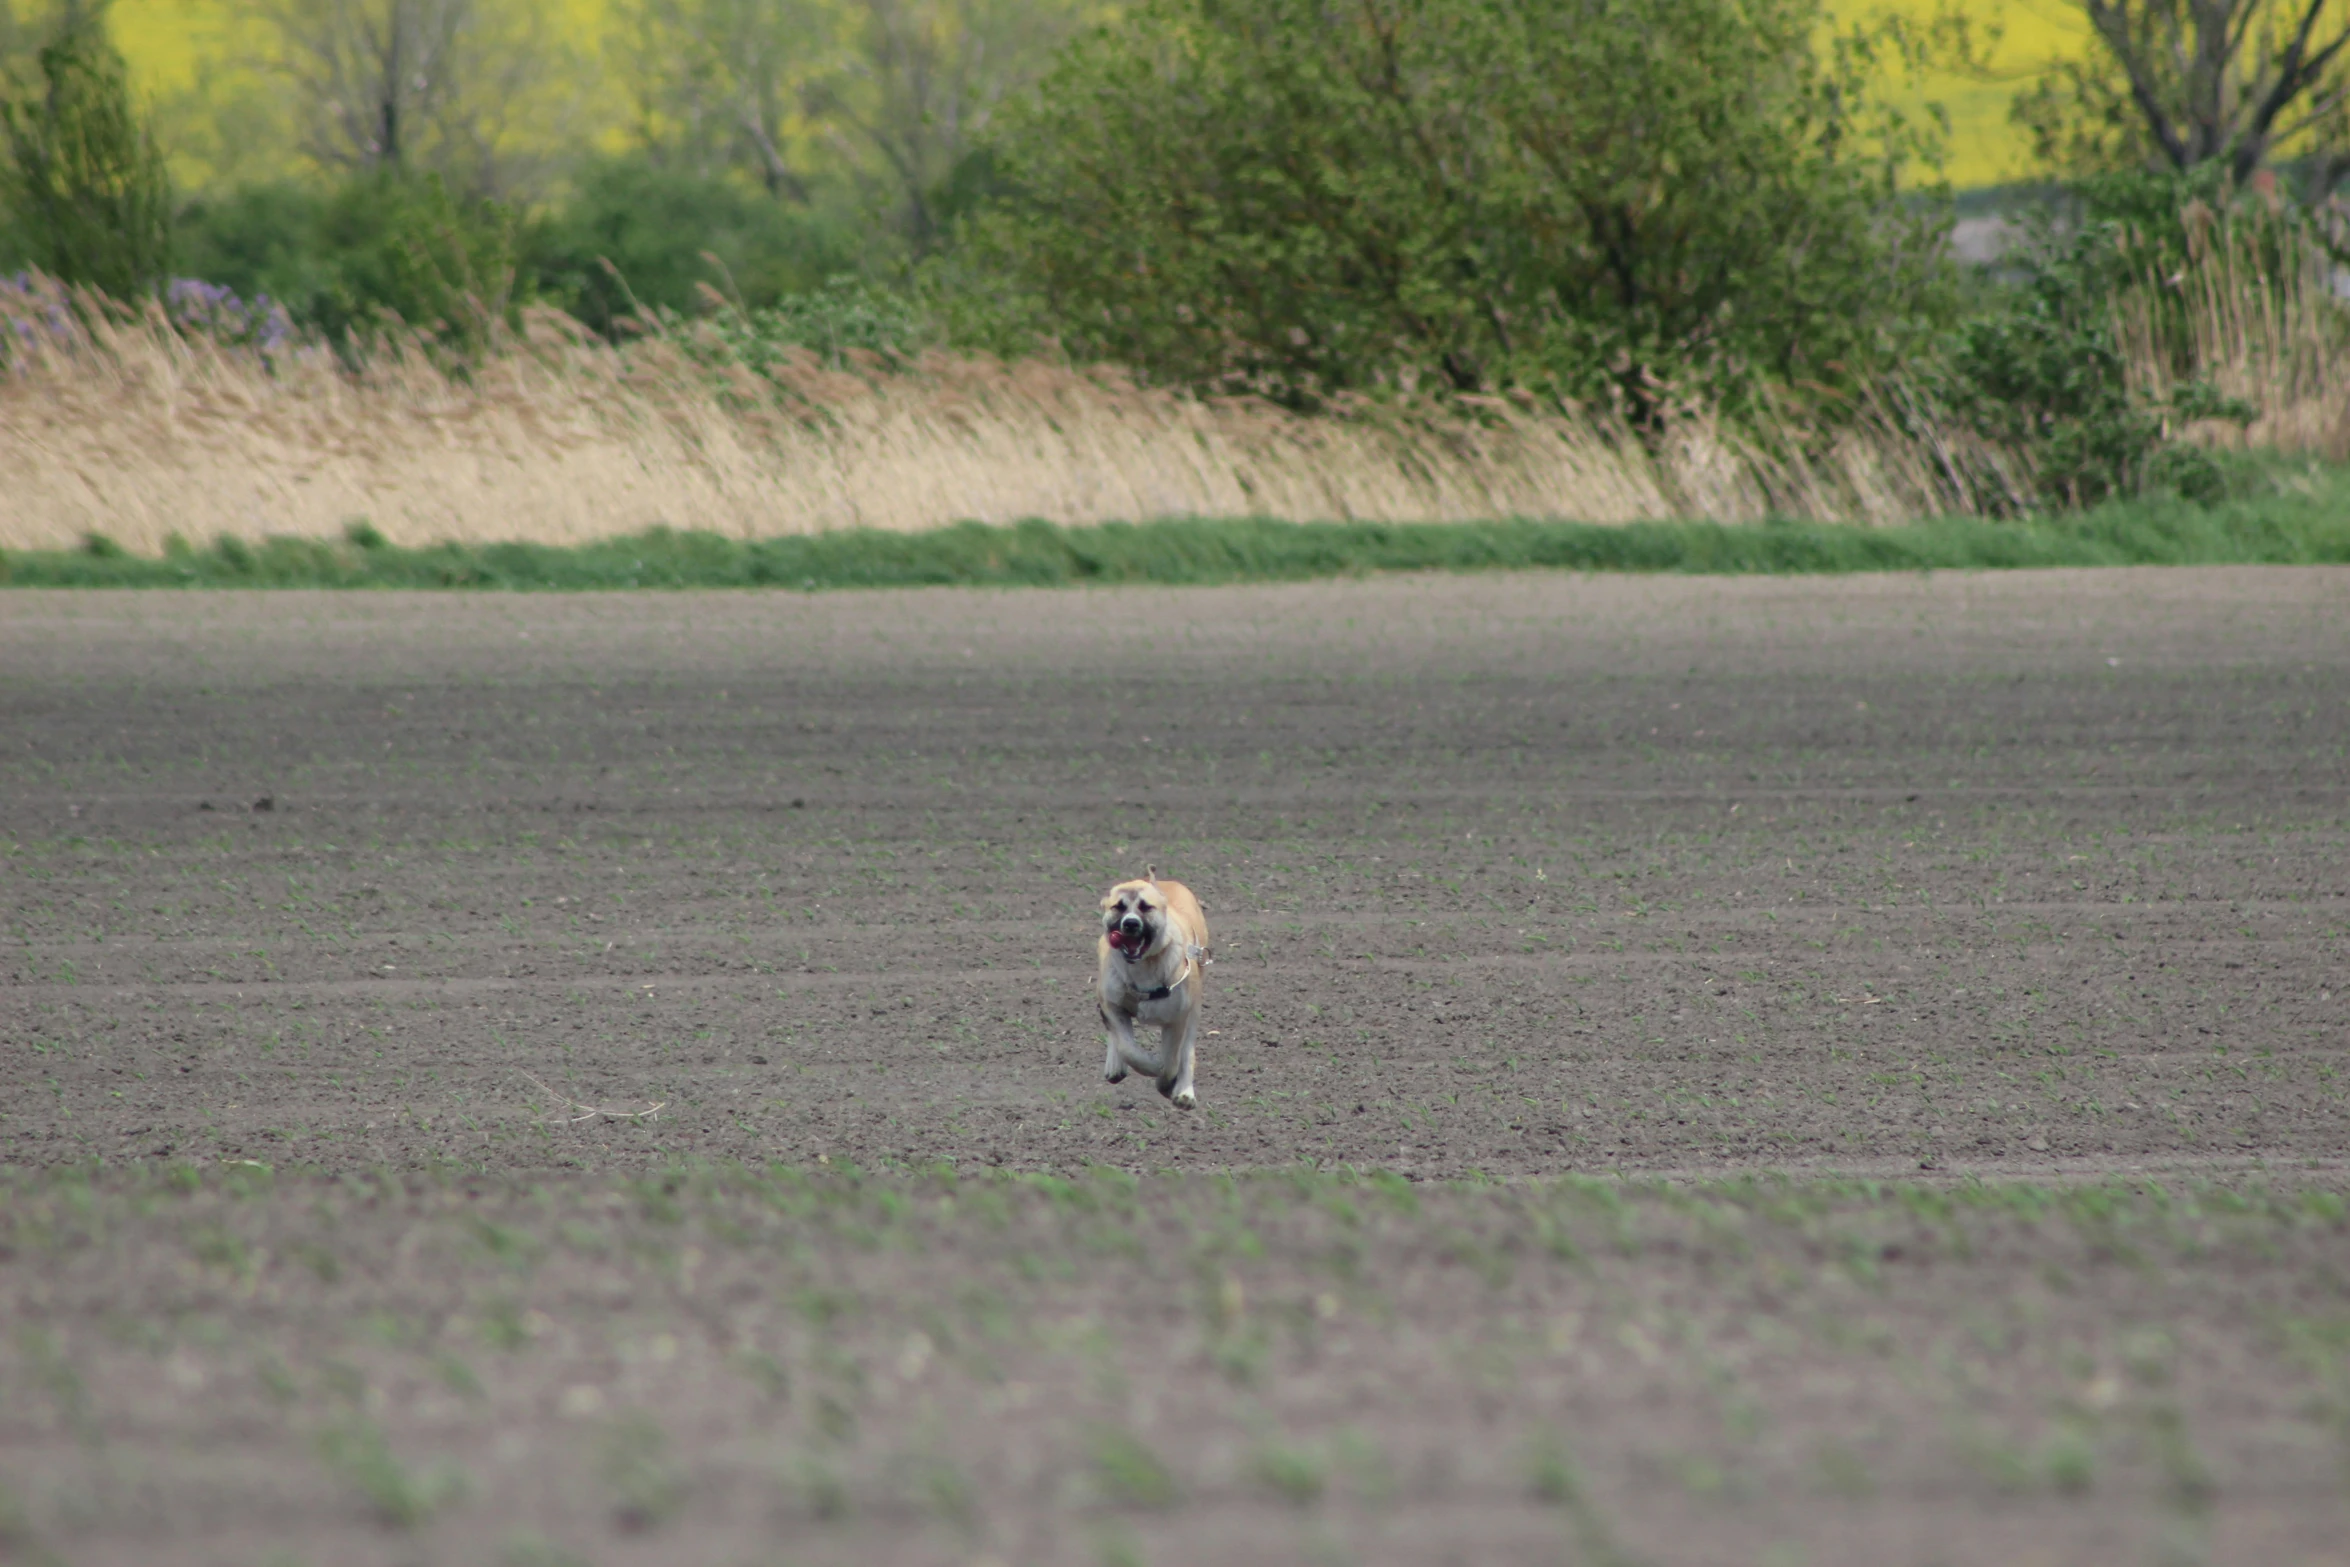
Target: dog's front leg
[1118, 1035]
[1175, 1053]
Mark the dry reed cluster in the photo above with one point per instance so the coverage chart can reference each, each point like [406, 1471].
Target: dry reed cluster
[2276, 336]
[120, 422]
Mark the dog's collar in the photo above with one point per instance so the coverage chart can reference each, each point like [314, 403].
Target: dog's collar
[1173, 985]
[1166, 990]
[1190, 967]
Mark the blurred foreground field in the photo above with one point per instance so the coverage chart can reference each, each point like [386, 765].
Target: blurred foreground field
[946, 1365]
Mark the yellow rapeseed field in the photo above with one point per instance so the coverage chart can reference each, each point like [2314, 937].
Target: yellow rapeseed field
[171, 43]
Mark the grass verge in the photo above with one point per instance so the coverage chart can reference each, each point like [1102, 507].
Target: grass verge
[2299, 521]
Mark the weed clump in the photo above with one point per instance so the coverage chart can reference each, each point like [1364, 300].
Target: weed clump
[1129, 1473]
[400, 1496]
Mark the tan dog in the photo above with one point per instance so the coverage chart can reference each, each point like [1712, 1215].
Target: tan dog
[1153, 949]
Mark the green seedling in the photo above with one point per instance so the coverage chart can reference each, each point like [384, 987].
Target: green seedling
[646, 1486]
[1296, 1474]
[1128, 1472]
[526, 1549]
[401, 1497]
[2068, 1459]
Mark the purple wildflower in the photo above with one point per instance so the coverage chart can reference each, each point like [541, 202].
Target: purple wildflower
[215, 310]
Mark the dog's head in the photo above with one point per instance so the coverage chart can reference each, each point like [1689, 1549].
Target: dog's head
[1134, 916]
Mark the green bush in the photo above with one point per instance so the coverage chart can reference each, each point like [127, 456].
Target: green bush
[2039, 368]
[1631, 200]
[357, 259]
[258, 240]
[657, 230]
[341, 258]
[404, 249]
[83, 186]
[847, 313]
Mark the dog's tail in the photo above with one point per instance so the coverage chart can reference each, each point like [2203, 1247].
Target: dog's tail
[1150, 873]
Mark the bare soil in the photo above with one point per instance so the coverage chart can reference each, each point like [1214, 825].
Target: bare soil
[2035, 876]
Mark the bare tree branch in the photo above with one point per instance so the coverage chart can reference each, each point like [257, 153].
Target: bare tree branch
[2203, 80]
[2297, 70]
[407, 84]
[881, 97]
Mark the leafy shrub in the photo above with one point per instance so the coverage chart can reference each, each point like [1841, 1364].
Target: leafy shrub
[2041, 368]
[1624, 199]
[846, 314]
[263, 239]
[403, 249]
[341, 259]
[83, 185]
[356, 259]
[658, 230]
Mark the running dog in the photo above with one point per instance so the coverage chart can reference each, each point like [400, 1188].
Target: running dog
[1154, 951]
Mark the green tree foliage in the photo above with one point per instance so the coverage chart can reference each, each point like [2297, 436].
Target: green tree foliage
[410, 250]
[83, 184]
[380, 252]
[659, 230]
[1629, 199]
[256, 240]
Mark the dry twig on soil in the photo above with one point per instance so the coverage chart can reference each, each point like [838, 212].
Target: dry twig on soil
[588, 1112]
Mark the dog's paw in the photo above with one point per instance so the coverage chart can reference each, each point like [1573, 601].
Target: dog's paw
[1184, 1098]
[1116, 1076]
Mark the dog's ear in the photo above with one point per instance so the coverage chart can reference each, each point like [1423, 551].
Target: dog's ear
[1109, 898]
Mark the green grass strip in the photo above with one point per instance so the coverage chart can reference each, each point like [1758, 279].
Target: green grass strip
[2288, 526]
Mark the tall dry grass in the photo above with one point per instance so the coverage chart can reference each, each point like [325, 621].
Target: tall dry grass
[119, 422]
[2255, 320]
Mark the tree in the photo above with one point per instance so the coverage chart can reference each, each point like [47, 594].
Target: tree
[925, 80]
[885, 98]
[2187, 85]
[1628, 199]
[632, 235]
[719, 83]
[83, 181]
[27, 25]
[410, 86]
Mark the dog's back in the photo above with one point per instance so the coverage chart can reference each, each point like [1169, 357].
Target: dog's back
[1188, 914]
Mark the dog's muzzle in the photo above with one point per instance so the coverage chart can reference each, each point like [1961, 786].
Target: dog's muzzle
[1127, 935]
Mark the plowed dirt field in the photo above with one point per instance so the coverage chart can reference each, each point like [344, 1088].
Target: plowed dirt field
[530, 1078]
